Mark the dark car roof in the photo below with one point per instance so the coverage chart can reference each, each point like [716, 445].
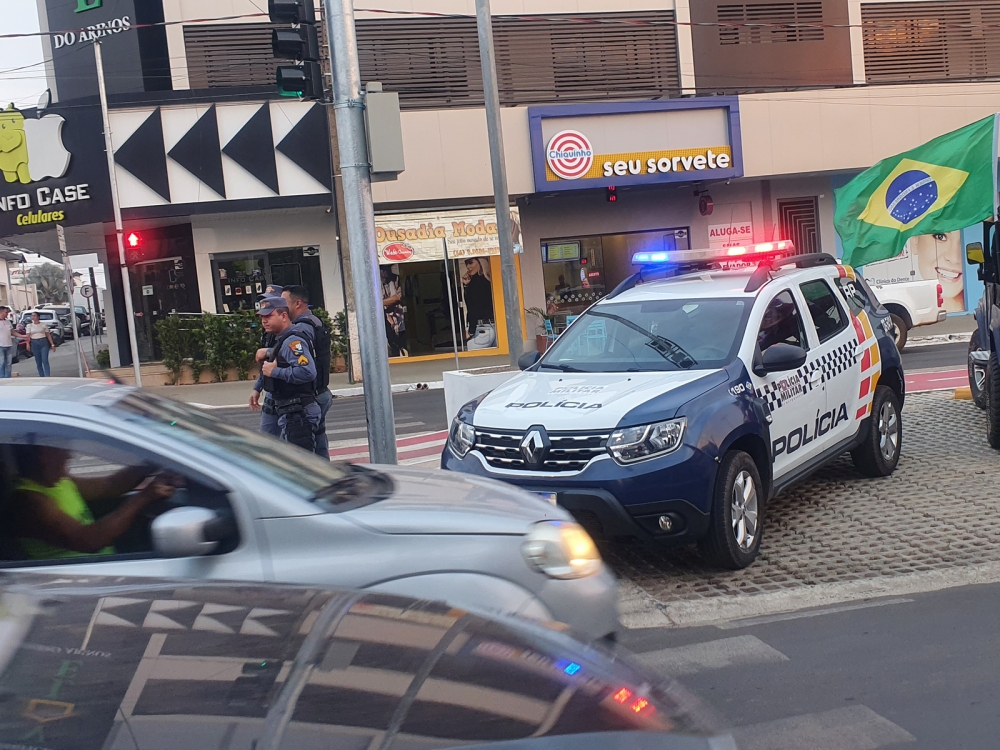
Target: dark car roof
[126, 664]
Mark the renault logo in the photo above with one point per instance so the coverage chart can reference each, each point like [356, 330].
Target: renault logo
[534, 446]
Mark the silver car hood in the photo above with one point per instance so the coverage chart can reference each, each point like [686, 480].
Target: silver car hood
[438, 502]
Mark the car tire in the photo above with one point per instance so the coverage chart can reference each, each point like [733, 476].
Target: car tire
[993, 403]
[899, 331]
[878, 455]
[730, 543]
[977, 374]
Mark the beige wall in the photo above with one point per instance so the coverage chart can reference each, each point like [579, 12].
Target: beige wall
[267, 230]
[847, 129]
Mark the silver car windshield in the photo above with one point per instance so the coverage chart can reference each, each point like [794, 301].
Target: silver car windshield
[652, 335]
[260, 456]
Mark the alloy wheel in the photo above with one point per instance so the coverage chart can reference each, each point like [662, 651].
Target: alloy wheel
[888, 431]
[744, 507]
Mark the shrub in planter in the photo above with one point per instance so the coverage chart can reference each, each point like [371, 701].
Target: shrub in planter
[103, 359]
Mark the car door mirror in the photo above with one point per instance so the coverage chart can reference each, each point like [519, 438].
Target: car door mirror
[974, 253]
[527, 359]
[782, 357]
[189, 532]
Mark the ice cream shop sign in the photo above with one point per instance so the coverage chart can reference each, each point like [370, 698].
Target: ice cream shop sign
[597, 145]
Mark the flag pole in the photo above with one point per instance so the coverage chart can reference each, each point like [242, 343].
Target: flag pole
[996, 191]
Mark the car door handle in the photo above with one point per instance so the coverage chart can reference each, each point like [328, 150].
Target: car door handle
[815, 376]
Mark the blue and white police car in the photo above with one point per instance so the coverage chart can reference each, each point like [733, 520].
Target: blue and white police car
[674, 409]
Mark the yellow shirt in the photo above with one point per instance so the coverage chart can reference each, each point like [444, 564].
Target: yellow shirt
[67, 497]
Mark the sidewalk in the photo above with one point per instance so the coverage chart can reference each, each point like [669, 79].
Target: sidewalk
[403, 376]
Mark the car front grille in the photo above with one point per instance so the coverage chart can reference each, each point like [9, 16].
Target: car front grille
[569, 451]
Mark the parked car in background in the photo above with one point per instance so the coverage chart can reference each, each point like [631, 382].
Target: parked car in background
[911, 304]
[50, 318]
[131, 663]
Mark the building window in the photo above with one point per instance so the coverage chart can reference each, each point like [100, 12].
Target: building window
[769, 23]
[240, 278]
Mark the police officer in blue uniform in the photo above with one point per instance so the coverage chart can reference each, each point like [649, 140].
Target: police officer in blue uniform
[268, 415]
[289, 372]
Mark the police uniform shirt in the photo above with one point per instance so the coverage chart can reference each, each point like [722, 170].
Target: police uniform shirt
[301, 368]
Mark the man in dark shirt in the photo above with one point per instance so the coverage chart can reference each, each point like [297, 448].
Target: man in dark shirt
[312, 327]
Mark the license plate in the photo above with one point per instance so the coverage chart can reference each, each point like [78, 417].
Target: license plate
[551, 497]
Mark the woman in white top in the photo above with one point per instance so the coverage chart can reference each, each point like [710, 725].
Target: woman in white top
[41, 344]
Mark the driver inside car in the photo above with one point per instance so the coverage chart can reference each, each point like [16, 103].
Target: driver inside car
[53, 510]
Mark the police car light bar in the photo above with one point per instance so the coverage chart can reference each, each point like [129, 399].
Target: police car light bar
[754, 252]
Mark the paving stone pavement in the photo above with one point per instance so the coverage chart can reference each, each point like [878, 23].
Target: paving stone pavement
[938, 511]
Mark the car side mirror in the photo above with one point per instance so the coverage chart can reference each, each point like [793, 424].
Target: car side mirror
[974, 253]
[189, 532]
[782, 357]
[527, 359]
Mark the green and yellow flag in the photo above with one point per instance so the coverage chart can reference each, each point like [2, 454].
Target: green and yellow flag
[944, 185]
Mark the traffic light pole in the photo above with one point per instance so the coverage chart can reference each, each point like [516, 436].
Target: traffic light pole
[508, 270]
[119, 232]
[360, 219]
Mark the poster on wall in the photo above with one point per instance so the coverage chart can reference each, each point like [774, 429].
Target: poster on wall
[937, 257]
[408, 238]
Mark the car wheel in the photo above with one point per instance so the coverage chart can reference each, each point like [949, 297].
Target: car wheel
[734, 534]
[899, 331]
[878, 455]
[992, 402]
[977, 373]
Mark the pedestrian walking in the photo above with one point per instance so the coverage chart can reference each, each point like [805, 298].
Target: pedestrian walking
[8, 342]
[40, 336]
[309, 325]
[289, 372]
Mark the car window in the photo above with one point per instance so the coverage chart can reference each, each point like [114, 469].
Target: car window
[826, 313]
[855, 294]
[651, 335]
[782, 323]
[89, 478]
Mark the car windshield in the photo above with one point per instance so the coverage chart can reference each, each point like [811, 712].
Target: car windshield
[260, 456]
[652, 335]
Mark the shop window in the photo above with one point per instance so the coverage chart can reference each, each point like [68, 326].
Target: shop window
[579, 271]
[240, 278]
[422, 318]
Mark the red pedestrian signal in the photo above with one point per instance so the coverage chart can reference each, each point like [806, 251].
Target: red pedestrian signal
[133, 240]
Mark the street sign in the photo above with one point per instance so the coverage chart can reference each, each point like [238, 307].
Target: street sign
[87, 291]
[147, 290]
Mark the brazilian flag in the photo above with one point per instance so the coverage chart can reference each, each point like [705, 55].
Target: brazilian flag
[944, 185]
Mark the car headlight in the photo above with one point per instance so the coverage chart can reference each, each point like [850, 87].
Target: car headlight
[632, 444]
[560, 549]
[461, 438]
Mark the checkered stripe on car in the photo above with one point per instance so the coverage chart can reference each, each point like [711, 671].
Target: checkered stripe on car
[838, 360]
[830, 365]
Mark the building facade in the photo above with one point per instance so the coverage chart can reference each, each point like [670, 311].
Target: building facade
[628, 124]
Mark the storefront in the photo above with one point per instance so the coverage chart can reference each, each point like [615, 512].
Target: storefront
[442, 292]
[240, 277]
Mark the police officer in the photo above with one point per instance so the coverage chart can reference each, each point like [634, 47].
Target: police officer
[289, 373]
[268, 416]
[309, 325]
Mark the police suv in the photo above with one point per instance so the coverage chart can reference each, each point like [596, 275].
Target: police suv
[673, 409]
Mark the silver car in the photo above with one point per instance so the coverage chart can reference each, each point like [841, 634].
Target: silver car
[251, 508]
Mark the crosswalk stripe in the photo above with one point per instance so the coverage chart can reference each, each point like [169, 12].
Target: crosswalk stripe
[411, 450]
[850, 728]
[739, 651]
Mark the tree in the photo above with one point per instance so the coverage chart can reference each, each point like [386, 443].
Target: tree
[49, 281]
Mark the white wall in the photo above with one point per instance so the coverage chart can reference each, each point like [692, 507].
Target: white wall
[267, 230]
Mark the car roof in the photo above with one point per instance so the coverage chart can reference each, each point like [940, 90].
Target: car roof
[706, 285]
[59, 395]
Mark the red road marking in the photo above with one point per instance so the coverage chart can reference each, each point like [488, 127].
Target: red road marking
[362, 446]
[942, 380]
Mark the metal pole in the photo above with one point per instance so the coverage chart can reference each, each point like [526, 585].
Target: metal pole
[360, 219]
[451, 305]
[119, 232]
[95, 302]
[68, 273]
[508, 271]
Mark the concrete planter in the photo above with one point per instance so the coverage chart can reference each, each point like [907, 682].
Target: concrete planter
[461, 386]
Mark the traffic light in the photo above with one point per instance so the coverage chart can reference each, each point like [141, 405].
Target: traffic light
[133, 240]
[299, 43]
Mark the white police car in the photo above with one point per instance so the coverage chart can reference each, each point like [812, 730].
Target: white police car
[673, 409]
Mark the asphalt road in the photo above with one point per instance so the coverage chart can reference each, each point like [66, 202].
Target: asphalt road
[938, 357]
[915, 672]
